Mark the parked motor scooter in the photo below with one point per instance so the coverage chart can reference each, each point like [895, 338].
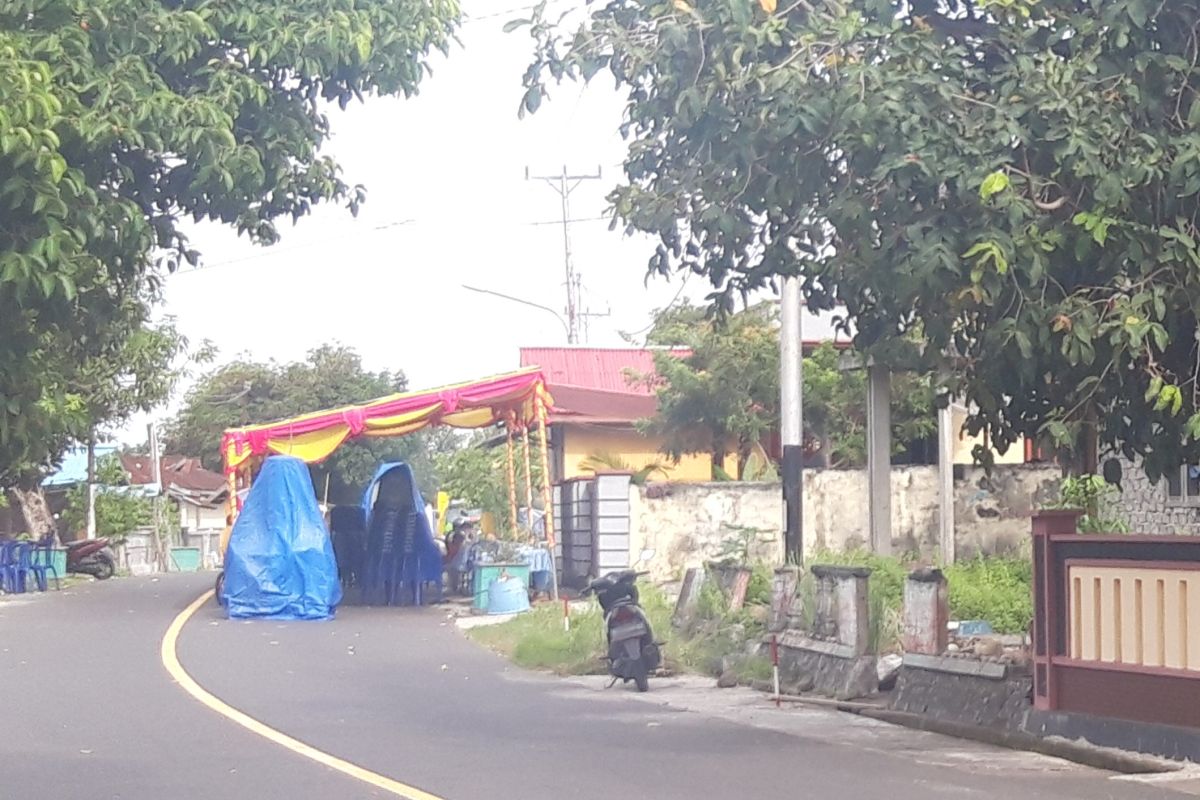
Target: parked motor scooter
[632, 652]
[93, 557]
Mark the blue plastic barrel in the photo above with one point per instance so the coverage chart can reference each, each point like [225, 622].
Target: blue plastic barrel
[507, 595]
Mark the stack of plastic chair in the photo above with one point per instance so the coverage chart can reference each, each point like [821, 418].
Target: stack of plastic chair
[406, 579]
[381, 557]
[43, 563]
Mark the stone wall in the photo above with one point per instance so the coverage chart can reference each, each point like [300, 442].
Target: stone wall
[1145, 507]
[686, 524]
[991, 512]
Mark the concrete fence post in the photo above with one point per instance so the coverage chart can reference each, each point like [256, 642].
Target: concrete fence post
[783, 597]
[843, 606]
[926, 613]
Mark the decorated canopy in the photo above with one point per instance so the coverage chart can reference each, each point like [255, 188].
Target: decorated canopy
[313, 437]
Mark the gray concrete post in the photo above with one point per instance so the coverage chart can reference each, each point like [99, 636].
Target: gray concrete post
[926, 613]
[879, 456]
[843, 606]
[783, 597]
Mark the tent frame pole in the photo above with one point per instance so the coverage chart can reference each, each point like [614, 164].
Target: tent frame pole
[512, 473]
[528, 475]
[547, 494]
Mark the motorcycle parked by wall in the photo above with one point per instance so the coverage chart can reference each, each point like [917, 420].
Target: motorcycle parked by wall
[632, 652]
[93, 557]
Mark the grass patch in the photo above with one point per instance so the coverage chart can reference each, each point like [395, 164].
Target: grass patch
[536, 639]
[996, 589]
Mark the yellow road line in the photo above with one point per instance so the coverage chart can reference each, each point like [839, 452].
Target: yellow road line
[170, 660]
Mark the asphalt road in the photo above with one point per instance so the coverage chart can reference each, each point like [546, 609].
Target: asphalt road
[87, 711]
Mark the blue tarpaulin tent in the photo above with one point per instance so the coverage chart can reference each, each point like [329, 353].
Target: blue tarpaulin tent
[279, 563]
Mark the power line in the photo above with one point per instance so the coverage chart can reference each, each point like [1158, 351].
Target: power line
[565, 183]
[272, 251]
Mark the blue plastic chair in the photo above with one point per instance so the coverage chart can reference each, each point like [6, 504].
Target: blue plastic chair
[20, 556]
[8, 566]
[42, 563]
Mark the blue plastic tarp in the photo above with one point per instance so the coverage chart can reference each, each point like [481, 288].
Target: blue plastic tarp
[280, 563]
[402, 556]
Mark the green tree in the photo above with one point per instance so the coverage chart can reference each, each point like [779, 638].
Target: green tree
[1016, 180]
[118, 119]
[725, 392]
[244, 393]
[477, 474]
[118, 511]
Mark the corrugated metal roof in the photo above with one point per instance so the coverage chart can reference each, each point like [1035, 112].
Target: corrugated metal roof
[74, 466]
[601, 368]
[178, 472]
[574, 403]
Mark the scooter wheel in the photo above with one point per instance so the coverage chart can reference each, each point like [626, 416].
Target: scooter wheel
[105, 568]
[642, 680]
[219, 588]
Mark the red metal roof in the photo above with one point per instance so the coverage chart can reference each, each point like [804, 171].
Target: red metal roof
[600, 368]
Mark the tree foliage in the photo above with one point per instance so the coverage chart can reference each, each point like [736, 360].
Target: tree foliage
[477, 474]
[119, 511]
[136, 370]
[118, 119]
[1017, 180]
[245, 392]
[724, 395]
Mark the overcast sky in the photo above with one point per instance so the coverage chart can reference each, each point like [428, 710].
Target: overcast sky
[447, 205]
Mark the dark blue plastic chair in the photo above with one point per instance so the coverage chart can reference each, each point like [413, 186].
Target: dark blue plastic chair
[8, 552]
[20, 556]
[43, 563]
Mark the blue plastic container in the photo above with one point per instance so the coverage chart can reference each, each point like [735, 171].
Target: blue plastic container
[507, 595]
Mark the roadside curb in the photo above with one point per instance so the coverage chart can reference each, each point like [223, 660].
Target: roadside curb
[1079, 752]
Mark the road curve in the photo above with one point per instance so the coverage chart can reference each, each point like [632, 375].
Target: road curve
[403, 694]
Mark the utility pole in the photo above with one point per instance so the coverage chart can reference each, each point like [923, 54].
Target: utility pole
[791, 429]
[160, 546]
[91, 483]
[565, 183]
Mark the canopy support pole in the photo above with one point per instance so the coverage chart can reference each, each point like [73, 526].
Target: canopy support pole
[512, 473]
[528, 476]
[547, 496]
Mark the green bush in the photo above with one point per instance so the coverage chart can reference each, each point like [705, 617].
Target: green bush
[995, 589]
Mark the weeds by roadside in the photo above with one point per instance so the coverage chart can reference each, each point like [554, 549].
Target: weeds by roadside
[997, 589]
[718, 639]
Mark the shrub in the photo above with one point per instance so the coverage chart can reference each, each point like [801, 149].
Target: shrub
[995, 589]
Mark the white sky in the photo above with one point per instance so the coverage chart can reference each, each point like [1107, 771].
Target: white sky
[449, 164]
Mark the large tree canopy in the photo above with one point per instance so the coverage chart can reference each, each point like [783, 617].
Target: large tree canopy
[245, 393]
[119, 118]
[1016, 180]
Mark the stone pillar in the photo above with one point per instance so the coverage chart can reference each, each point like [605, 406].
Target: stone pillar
[783, 597]
[926, 613]
[843, 606]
